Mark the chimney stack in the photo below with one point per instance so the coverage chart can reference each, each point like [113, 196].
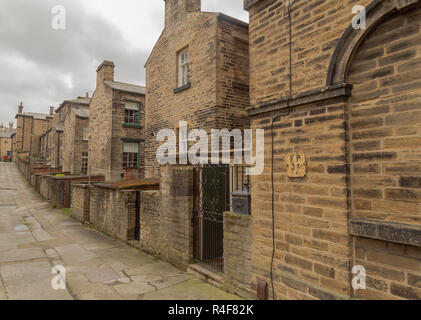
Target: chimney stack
[51, 111]
[176, 10]
[105, 71]
[87, 94]
[21, 108]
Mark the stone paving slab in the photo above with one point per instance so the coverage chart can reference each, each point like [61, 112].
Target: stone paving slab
[15, 255]
[34, 238]
[190, 290]
[74, 254]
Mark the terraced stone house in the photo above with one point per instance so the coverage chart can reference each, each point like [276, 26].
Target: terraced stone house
[116, 127]
[30, 127]
[196, 76]
[61, 143]
[6, 134]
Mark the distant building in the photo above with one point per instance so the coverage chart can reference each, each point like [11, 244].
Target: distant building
[116, 127]
[30, 127]
[75, 141]
[57, 136]
[6, 142]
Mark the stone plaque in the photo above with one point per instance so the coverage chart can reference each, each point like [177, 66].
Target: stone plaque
[296, 165]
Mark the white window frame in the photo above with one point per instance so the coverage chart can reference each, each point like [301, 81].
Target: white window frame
[85, 162]
[129, 148]
[183, 67]
[133, 108]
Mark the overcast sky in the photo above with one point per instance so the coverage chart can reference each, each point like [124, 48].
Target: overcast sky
[42, 66]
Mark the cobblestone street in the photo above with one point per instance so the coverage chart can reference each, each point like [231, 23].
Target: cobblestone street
[34, 237]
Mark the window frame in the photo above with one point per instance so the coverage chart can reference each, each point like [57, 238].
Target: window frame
[131, 161]
[183, 68]
[85, 158]
[132, 124]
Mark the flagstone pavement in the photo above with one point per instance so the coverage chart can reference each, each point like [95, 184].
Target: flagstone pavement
[34, 238]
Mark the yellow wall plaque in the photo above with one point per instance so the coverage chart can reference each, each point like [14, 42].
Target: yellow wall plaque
[296, 165]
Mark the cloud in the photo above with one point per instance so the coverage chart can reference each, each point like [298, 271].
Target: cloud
[42, 66]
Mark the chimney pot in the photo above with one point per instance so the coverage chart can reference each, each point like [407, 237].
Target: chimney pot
[10, 125]
[87, 94]
[21, 108]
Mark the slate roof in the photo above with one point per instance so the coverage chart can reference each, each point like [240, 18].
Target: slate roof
[78, 100]
[125, 87]
[38, 116]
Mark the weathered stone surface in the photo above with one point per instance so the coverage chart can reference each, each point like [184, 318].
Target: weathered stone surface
[392, 232]
[97, 266]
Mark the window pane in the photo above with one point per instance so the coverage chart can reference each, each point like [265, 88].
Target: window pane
[183, 68]
[131, 116]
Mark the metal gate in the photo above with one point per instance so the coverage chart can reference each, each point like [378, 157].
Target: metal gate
[211, 199]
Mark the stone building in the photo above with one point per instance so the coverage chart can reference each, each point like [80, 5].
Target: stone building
[75, 142]
[6, 141]
[116, 127]
[204, 57]
[54, 144]
[348, 101]
[30, 127]
[44, 146]
[59, 140]
[13, 139]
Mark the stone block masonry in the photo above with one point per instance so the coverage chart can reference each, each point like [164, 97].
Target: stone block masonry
[107, 128]
[166, 230]
[311, 224]
[112, 211]
[150, 227]
[353, 113]
[237, 253]
[216, 95]
[80, 206]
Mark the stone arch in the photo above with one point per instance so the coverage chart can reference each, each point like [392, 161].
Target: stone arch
[376, 12]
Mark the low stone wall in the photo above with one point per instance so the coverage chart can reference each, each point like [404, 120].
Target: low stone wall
[61, 188]
[166, 228]
[176, 214]
[237, 253]
[150, 226]
[113, 211]
[80, 206]
[23, 166]
[37, 181]
[44, 186]
[41, 169]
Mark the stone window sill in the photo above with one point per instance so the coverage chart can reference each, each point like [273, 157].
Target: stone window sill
[131, 125]
[179, 89]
